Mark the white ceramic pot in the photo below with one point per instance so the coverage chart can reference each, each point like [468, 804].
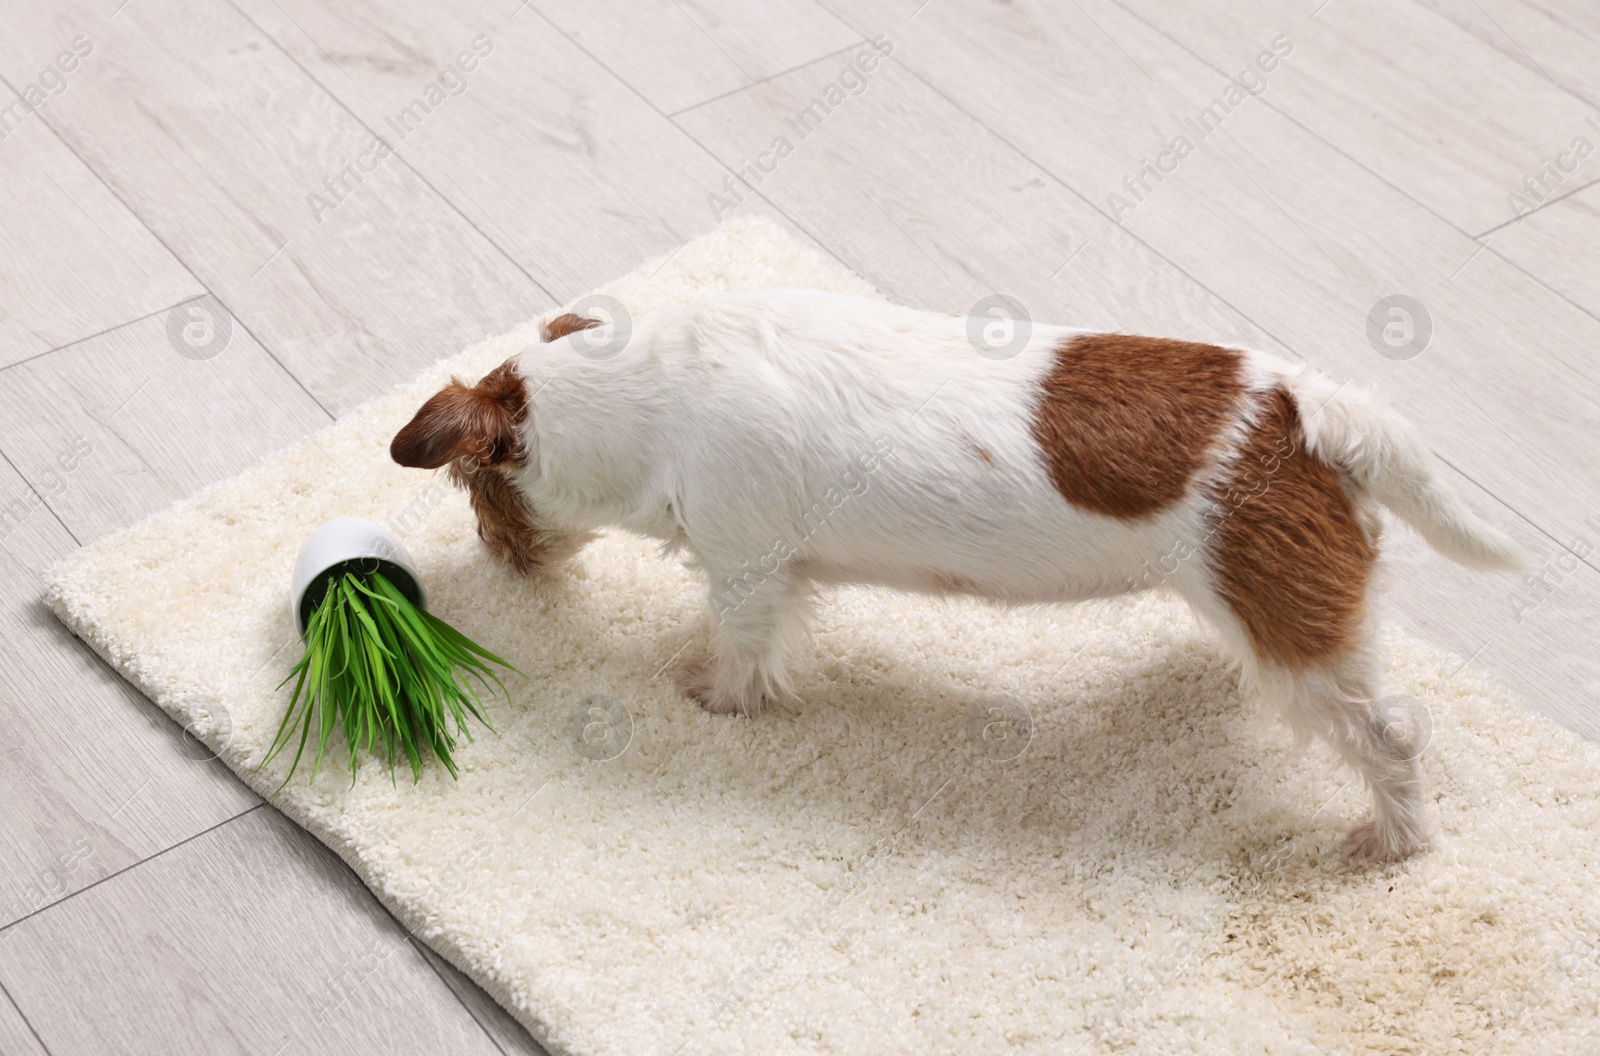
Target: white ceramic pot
[345, 544]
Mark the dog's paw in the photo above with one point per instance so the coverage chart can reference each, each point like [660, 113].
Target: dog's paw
[698, 679]
[1371, 844]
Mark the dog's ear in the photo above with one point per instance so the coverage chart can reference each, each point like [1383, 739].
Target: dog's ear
[479, 423]
[565, 324]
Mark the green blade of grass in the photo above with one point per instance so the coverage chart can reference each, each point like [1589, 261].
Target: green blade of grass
[337, 678]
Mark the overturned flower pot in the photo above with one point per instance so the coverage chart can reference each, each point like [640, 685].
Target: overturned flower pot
[397, 680]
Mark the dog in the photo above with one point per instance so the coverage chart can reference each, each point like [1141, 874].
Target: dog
[785, 440]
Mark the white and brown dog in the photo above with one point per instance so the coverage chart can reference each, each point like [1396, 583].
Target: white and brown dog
[743, 429]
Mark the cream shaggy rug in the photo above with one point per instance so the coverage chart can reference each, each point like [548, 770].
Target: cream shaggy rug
[1050, 831]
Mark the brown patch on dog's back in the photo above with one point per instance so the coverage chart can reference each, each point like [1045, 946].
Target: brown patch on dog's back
[1126, 422]
[1290, 554]
[562, 325]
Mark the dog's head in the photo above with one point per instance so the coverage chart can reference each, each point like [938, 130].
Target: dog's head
[469, 428]
[477, 432]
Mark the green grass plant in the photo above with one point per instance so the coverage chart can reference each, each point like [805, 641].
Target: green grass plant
[400, 682]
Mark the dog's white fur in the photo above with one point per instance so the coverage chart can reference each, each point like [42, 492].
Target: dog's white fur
[787, 439]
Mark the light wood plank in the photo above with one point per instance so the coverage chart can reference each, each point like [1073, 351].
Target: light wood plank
[1404, 91]
[216, 140]
[158, 425]
[95, 778]
[1557, 244]
[558, 161]
[16, 1037]
[1555, 39]
[509, 1035]
[252, 938]
[983, 221]
[680, 54]
[73, 260]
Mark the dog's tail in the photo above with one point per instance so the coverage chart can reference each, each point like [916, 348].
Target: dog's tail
[1386, 458]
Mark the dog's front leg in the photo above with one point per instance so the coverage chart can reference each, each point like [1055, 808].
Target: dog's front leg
[756, 628]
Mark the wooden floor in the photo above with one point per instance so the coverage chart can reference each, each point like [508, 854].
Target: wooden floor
[221, 161]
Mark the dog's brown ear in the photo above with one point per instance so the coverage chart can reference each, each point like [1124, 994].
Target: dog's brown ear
[562, 325]
[478, 422]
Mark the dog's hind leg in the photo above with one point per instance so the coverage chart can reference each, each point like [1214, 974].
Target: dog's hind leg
[1288, 565]
[1340, 703]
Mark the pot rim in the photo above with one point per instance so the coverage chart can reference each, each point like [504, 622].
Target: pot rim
[349, 544]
